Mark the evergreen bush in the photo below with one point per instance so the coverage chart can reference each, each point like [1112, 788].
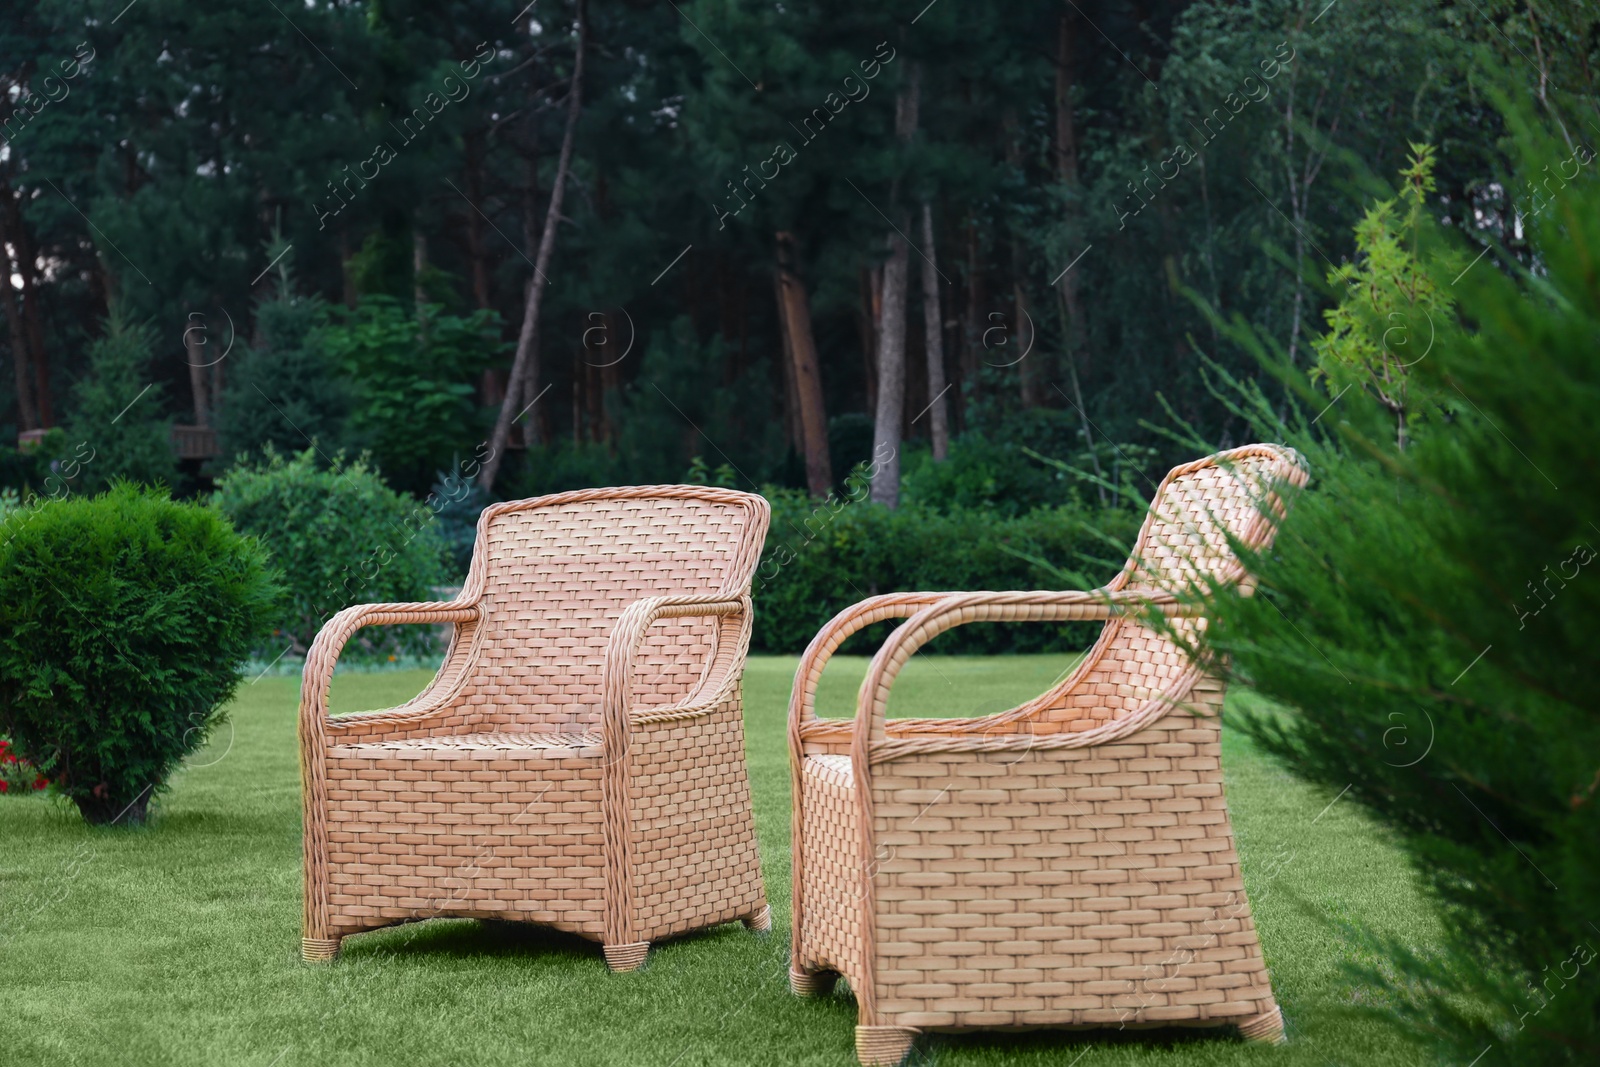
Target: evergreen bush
[1442, 595]
[124, 621]
[285, 391]
[119, 414]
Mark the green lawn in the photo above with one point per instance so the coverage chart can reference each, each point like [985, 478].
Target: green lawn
[179, 943]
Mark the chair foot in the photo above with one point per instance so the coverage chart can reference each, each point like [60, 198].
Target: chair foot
[1266, 1028]
[629, 957]
[760, 922]
[883, 1046]
[318, 950]
[811, 983]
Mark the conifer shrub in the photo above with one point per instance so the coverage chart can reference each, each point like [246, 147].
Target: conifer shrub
[116, 421]
[124, 621]
[1441, 588]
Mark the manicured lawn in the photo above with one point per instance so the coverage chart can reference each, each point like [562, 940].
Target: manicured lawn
[178, 944]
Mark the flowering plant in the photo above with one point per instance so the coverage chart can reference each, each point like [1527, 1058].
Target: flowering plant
[18, 775]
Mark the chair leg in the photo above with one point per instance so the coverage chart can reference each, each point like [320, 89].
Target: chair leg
[803, 983]
[318, 950]
[759, 922]
[883, 1046]
[629, 957]
[1266, 1028]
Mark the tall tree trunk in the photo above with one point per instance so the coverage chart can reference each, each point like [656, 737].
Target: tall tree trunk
[22, 356]
[194, 354]
[525, 366]
[871, 312]
[27, 413]
[419, 266]
[1066, 152]
[933, 342]
[891, 376]
[794, 311]
[28, 270]
[1030, 388]
[890, 416]
[972, 327]
[215, 374]
[793, 432]
[1067, 172]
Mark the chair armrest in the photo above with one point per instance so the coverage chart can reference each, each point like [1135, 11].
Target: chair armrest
[803, 697]
[956, 609]
[330, 642]
[629, 633]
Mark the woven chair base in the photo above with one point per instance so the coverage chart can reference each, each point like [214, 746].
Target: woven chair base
[811, 983]
[883, 1046]
[628, 957]
[317, 950]
[761, 921]
[1266, 1028]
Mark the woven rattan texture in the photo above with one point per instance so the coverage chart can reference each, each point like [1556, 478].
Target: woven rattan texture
[1066, 863]
[579, 758]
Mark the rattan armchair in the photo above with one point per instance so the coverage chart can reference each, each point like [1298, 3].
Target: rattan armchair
[579, 760]
[1067, 863]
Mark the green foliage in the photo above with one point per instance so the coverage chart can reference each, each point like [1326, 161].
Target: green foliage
[668, 423]
[456, 500]
[124, 620]
[286, 391]
[412, 383]
[1393, 307]
[341, 537]
[668, 416]
[701, 473]
[118, 413]
[820, 557]
[1442, 604]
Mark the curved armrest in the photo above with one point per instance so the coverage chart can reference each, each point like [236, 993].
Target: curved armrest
[331, 639]
[803, 697]
[956, 609]
[629, 634]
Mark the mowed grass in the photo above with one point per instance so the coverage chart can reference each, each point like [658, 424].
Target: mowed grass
[178, 943]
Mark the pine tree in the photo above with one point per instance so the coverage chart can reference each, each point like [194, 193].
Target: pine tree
[117, 410]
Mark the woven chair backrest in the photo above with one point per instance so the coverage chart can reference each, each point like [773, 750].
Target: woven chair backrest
[556, 572]
[1185, 542]
[1201, 506]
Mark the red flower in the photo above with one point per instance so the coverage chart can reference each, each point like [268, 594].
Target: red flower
[40, 782]
[4, 787]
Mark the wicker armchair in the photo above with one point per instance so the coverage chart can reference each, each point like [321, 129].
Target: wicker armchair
[578, 761]
[1066, 863]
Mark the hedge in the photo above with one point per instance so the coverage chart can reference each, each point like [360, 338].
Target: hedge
[820, 557]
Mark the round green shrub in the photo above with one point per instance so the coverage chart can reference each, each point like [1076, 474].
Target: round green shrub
[341, 537]
[124, 621]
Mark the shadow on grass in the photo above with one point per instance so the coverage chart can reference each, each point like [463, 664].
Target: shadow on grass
[463, 938]
[468, 939]
[1002, 1044]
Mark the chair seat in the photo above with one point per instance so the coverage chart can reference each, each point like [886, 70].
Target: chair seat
[545, 744]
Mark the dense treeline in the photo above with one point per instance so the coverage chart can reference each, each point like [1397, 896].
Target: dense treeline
[775, 236]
